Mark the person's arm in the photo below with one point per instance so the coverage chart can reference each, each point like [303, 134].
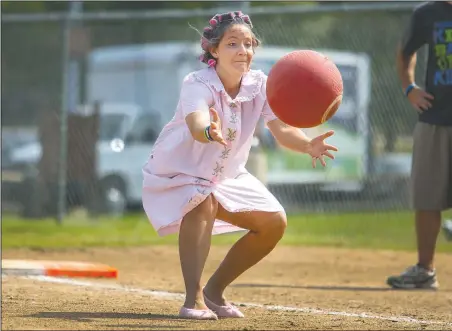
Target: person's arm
[195, 98]
[203, 129]
[197, 123]
[294, 139]
[287, 136]
[414, 38]
[406, 66]
[290, 137]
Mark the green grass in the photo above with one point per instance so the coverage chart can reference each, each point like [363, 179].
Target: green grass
[388, 230]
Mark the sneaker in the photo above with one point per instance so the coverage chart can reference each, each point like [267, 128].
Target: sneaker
[414, 277]
[447, 230]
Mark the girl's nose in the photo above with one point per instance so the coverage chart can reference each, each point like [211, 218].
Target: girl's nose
[242, 49]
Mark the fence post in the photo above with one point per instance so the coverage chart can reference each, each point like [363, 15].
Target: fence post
[74, 7]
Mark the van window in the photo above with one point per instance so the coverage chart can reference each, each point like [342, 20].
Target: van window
[111, 126]
[145, 129]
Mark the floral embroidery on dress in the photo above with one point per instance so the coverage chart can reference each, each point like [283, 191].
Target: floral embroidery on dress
[195, 201]
[233, 119]
[202, 191]
[252, 84]
[218, 169]
[231, 135]
[225, 153]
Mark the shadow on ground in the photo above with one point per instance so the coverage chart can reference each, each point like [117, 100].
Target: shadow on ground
[89, 316]
[327, 288]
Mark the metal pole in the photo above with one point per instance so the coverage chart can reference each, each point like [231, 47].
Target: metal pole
[62, 164]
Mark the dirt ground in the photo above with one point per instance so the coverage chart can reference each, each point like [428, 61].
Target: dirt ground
[318, 281]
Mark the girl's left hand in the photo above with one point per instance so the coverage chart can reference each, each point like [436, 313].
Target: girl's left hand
[319, 149]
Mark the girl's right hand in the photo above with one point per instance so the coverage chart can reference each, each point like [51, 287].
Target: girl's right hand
[215, 127]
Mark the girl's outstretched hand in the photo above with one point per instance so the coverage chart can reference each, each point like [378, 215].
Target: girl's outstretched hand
[319, 149]
[215, 127]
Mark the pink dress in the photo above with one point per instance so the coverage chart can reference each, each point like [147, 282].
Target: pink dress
[181, 172]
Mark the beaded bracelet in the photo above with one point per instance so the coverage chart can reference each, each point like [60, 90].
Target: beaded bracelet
[207, 134]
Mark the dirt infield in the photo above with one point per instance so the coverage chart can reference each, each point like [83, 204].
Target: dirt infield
[331, 288]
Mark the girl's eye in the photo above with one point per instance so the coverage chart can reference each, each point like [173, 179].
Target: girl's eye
[247, 45]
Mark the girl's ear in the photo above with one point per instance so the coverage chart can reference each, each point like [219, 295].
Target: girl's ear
[214, 52]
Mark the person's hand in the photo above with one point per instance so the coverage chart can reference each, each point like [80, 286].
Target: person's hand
[318, 149]
[215, 127]
[420, 99]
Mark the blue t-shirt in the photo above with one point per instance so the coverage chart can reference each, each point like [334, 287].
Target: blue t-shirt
[431, 24]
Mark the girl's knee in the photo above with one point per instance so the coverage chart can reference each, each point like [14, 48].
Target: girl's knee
[275, 225]
[281, 222]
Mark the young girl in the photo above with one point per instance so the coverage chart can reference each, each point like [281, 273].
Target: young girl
[195, 180]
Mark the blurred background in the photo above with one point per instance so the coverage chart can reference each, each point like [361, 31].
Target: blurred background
[88, 85]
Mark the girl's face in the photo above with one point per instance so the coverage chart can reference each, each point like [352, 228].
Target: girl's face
[235, 51]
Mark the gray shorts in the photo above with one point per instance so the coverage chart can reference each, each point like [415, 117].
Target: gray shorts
[431, 175]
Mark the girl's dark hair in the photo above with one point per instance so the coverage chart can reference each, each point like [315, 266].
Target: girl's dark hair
[218, 25]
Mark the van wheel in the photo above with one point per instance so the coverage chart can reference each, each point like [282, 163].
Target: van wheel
[113, 196]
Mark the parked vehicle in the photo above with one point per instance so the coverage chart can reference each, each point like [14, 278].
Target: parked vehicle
[126, 133]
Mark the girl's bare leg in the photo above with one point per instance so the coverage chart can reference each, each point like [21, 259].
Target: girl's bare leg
[266, 229]
[194, 245]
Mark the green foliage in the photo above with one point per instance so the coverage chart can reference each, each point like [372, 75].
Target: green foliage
[29, 7]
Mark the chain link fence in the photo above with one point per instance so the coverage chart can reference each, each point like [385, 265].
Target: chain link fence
[83, 100]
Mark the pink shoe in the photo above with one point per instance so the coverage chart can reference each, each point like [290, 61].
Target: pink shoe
[223, 311]
[197, 314]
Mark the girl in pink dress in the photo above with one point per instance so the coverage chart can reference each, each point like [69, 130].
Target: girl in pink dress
[195, 181]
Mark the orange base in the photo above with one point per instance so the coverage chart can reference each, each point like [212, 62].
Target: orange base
[57, 269]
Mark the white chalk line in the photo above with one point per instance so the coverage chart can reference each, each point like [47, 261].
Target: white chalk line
[179, 296]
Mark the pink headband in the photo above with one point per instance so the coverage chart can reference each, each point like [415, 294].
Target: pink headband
[219, 18]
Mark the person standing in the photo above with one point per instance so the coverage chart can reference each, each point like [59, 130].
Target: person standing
[431, 176]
